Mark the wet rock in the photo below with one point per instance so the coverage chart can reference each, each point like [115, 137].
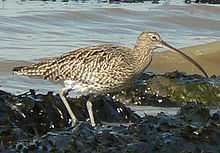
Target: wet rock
[105, 109]
[9, 133]
[172, 89]
[188, 112]
[34, 122]
[216, 116]
[38, 113]
[169, 134]
[183, 88]
[29, 115]
[84, 139]
[203, 1]
[161, 133]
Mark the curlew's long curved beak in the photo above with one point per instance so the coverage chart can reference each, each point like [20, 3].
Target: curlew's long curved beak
[165, 45]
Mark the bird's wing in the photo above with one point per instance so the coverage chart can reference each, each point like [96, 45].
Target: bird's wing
[79, 64]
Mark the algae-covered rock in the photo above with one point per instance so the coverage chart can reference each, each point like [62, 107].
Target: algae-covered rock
[181, 88]
[172, 89]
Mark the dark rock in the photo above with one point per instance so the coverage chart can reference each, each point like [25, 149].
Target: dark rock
[38, 114]
[203, 1]
[216, 116]
[105, 109]
[191, 130]
[189, 114]
[34, 122]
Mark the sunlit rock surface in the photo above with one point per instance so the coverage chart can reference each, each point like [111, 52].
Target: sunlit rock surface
[172, 89]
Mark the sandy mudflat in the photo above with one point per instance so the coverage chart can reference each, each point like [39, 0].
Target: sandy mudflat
[208, 55]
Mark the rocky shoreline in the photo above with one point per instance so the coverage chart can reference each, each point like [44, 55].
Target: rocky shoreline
[34, 122]
[203, 1]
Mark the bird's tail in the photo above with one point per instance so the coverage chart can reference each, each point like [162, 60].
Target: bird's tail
[32, 70]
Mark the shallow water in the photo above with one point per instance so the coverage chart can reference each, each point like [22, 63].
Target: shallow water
[32, 30]
[154, 111]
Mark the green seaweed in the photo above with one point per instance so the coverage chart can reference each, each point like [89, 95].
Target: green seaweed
[183, 90]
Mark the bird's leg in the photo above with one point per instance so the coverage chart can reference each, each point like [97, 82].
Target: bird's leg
[90, 111]
[65, 102]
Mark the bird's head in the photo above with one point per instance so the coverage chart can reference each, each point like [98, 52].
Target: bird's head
[149, 41]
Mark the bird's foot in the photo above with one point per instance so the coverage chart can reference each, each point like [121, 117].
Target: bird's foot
[74, 123]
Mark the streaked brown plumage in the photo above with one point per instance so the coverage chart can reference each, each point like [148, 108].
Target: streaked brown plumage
[101, 68]
[104, 66]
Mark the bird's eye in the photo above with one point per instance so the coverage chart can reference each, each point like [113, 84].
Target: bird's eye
[153, 37]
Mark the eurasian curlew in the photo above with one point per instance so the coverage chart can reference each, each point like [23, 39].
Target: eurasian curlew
[100, 69]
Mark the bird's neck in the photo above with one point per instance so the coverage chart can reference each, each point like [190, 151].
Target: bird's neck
[142, 54]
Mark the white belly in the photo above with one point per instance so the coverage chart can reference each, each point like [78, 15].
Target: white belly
[79, 88]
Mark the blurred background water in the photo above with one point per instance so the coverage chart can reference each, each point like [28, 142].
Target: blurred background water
[31, 30]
